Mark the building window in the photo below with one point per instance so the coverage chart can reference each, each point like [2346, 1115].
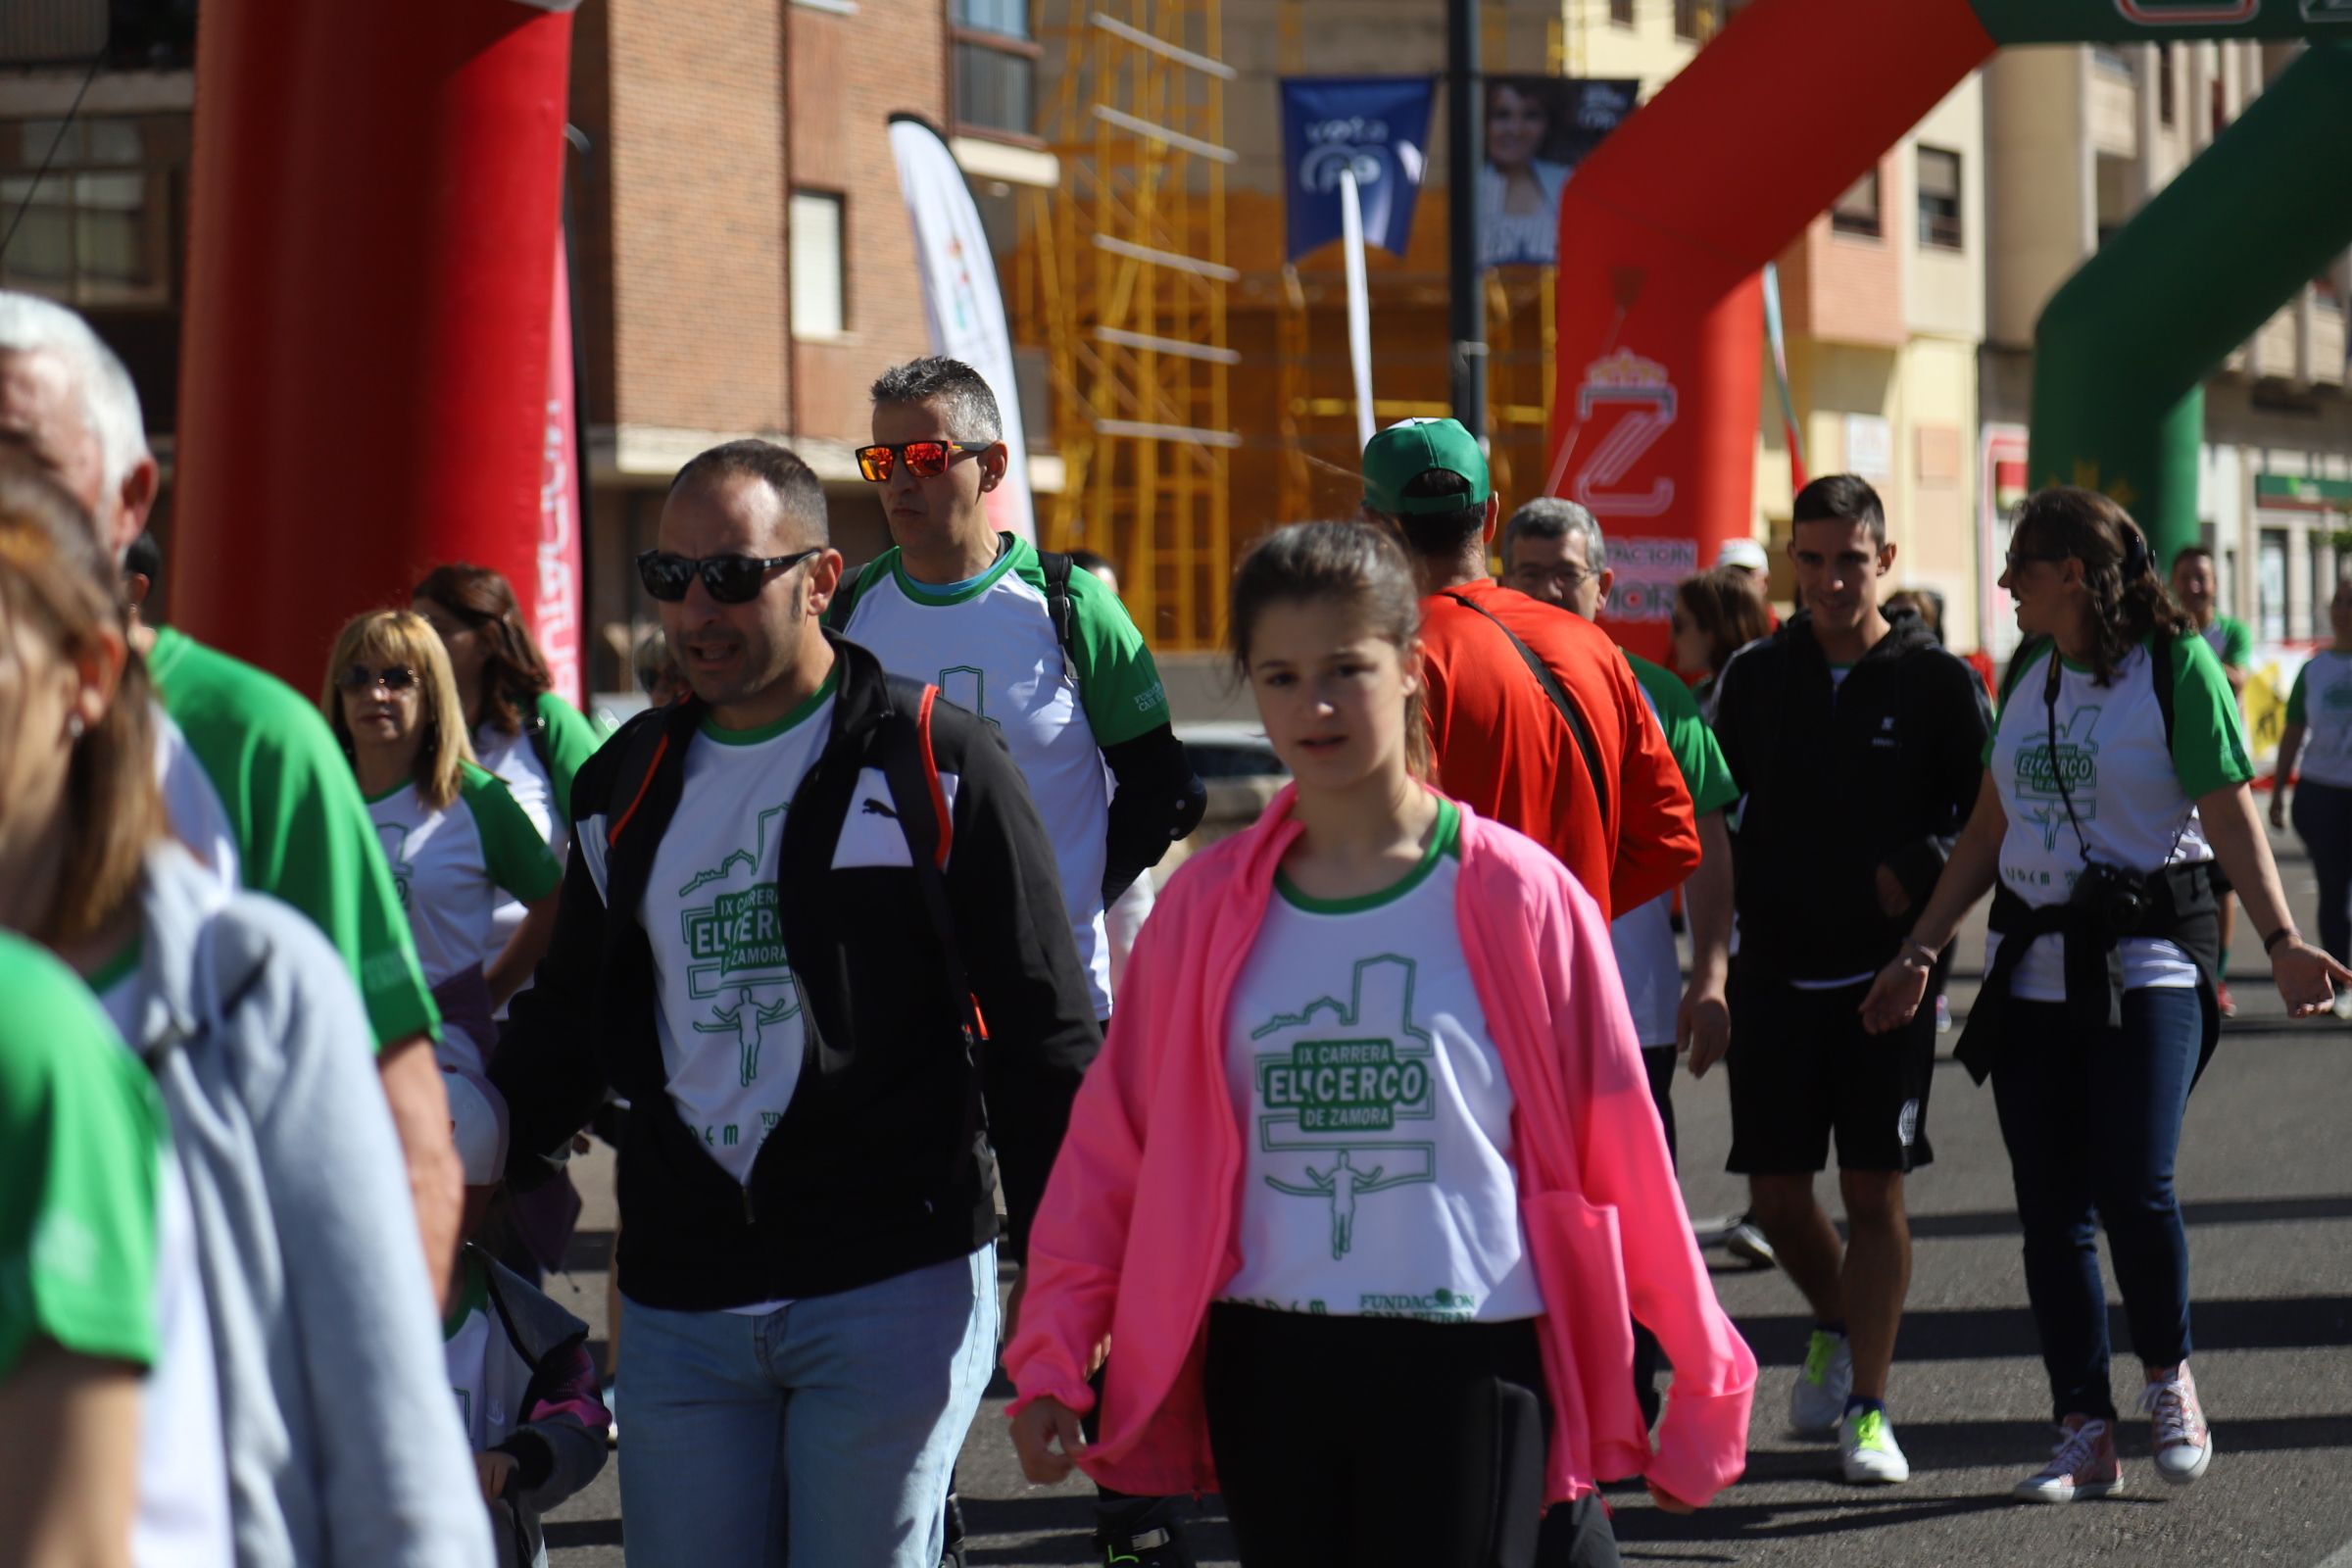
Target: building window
[1695, 19]
[1939, 198]
[2111, 58]
[2166, 85]
[102, 226]
[1621, 12]
[1857, 211]
[996, 68]
[815, 258]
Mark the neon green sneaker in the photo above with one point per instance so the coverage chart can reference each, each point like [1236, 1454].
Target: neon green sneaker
[1866, 1443]
[1819, 1398]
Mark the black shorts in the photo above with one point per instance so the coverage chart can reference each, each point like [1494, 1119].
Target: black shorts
[1802, 1067]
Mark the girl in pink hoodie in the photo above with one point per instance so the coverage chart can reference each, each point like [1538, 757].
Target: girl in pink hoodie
[1367, 1185]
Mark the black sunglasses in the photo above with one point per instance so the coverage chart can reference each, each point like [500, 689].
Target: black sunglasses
[392, 678]
[731, 579]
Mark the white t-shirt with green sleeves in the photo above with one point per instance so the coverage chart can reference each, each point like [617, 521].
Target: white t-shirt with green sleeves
[454, 866]
[98, 1244]
[2321, 703]
[1376, 1118]
[729, 1016]
[2135, 803]
[990, 646]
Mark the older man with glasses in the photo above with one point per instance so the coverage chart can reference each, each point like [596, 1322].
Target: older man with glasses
[795, 894]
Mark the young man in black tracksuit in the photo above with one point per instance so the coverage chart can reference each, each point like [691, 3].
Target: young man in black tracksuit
[1857, 740]
[792, 902]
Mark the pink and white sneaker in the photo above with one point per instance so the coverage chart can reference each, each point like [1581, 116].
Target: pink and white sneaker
[2083, 1465]
[2184, 1445]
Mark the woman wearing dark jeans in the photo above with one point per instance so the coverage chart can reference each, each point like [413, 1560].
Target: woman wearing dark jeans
[2116, 776]
[2319, 710]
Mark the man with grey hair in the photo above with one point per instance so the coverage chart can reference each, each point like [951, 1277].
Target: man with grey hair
[1553, 551]
[1048, 655]
[253, 779]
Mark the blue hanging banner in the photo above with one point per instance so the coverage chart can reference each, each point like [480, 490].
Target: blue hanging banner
[1376, 125]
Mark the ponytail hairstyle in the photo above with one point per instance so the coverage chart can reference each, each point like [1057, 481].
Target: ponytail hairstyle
[2127, 600]
[383, 637]
[58, 589]
[513, 671]
[1352, 563]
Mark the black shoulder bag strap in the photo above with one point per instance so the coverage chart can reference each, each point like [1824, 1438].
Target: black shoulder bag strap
[1560, 699]
[845, 601]
[912, 774]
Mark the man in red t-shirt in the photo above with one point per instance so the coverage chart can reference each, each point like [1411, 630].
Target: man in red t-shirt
[1585, 772]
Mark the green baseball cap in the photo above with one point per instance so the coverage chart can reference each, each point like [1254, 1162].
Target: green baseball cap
[1406, 451]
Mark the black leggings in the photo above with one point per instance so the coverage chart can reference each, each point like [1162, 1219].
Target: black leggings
[1377, 1443]
[2322, 815]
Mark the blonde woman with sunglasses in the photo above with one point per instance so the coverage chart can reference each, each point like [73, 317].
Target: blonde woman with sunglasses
[458, 844]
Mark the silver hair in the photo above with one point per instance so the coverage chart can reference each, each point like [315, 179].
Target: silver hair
[971, 407]
[31, 324]
[1551, 518]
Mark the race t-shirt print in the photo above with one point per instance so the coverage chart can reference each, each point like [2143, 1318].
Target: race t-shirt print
[1376, 1116]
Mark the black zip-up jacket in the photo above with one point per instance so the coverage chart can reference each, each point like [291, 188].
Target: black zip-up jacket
[867, 1174]
[1842, 779]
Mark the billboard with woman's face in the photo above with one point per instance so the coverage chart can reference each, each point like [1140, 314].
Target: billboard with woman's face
[1539, 129]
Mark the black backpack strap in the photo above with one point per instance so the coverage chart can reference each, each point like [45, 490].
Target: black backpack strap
[845, 601]
[1550, 682]
[644, 744]
[1057, 568]
[911, 770]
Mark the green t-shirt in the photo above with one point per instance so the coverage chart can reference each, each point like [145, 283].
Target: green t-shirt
[2231, 641]
[1696, 749]
[82, 1136]
[271, 795]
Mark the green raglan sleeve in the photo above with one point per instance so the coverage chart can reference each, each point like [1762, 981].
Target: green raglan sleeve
[302, 832]
[1696, 750]
[2294, 697]
[516, 858]
[2209, 739]
[81, 1141]
[1118, 680]
[2238, 643]
[571, 739]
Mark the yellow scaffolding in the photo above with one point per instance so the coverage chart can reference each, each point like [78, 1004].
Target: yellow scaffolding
[1129, 277]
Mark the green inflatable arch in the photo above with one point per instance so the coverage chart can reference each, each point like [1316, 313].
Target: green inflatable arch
[2121, 349]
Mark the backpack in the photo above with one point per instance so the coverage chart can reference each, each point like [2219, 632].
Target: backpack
[911, 769]
[1057, 568]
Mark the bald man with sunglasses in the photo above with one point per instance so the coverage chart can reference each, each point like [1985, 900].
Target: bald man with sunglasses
[791, 897]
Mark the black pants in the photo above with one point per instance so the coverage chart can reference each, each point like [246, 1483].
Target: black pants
[2323, 815]
[1658, 1061]
[1377, 1443]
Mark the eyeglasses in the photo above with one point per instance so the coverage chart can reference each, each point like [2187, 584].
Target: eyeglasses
[925, 460]
[731, 579]
[1566, 578]
[2018, 558]
[392, 678]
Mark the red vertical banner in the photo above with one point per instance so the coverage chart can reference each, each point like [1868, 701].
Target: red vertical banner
[556, 608]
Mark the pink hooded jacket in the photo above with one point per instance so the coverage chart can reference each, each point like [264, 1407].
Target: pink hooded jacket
[1135, 1234]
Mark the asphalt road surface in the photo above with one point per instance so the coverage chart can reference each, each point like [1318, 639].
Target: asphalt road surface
[2266, 1174]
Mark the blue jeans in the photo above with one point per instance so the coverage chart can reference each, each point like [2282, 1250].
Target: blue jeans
[2092, 1125]
[819, 1434]
[2322, 815]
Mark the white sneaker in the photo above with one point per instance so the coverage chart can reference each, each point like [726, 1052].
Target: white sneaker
[1818, 1401]
[2184, 1445]
[2083, 1465]
[1866, 1443]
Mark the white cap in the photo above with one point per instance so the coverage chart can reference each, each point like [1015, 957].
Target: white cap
[477, 1119]
[1745, 554]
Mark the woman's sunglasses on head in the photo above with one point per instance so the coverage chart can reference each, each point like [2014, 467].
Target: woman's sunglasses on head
[925, 460]
[730, 579]
[392, 677]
